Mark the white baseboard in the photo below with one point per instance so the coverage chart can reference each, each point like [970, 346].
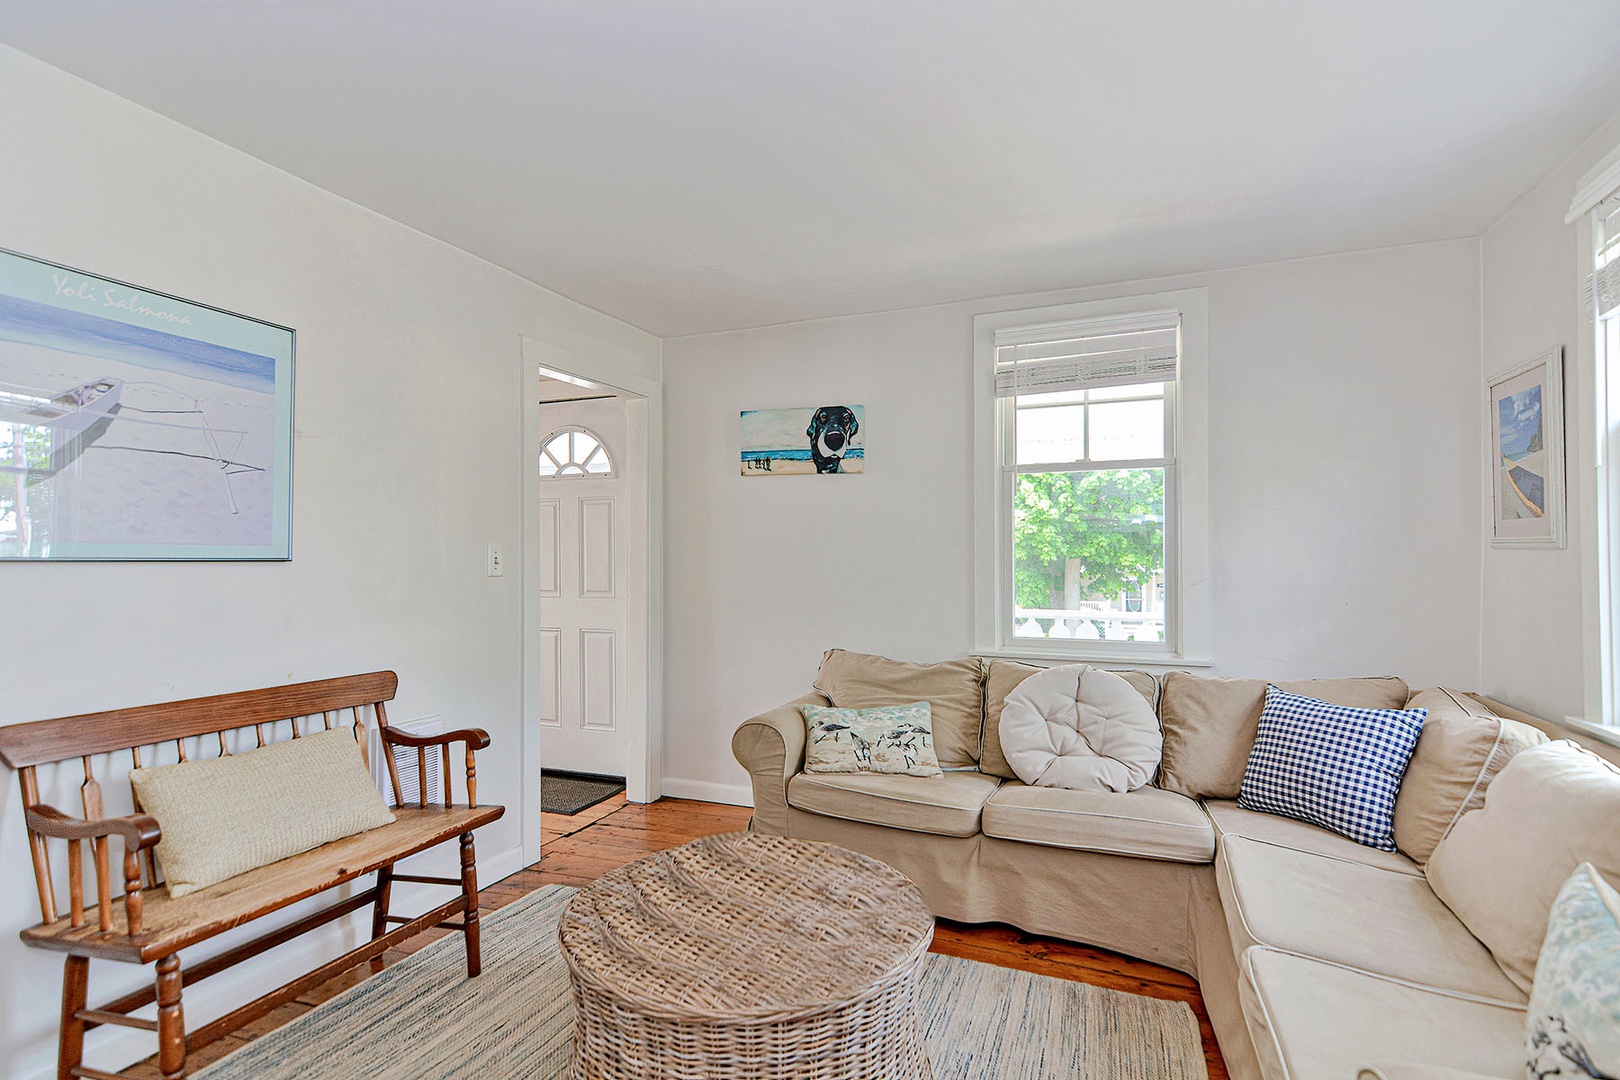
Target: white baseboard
[708, 791]
[118, 1048]
[499, 867]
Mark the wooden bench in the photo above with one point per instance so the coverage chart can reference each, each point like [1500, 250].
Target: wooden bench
[143, 925]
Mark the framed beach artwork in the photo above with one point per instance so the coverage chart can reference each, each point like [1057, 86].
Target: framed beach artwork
[820, 439]
[136, 425]
[1526, 424]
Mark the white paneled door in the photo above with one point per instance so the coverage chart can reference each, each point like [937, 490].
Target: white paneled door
[584, 595]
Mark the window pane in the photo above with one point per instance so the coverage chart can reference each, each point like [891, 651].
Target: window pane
[1088, 555]
[1055, 434]
[574, 454]
[1135, 390]
[1125, 430]
[1057, 397]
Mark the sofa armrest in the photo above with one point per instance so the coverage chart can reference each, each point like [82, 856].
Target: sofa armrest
[771, 747]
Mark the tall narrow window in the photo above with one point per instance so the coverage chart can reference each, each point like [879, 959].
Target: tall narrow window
[1087, 415]
[1604, 302]
[574, 453]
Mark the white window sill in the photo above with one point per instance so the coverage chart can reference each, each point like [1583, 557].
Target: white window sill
[1603, 733]
[1096, 656]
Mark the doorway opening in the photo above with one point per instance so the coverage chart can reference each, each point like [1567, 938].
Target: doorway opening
[585, 527]
[589, 642]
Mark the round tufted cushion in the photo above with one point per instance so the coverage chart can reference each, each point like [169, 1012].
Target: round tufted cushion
[1080, 727]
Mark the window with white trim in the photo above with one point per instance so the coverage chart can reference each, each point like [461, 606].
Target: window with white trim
[1606, 342]
[1595, 393]
[574, 453]
[1086, 555]
[1603, 302]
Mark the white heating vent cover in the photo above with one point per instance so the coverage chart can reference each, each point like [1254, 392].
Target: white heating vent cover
[405, 761]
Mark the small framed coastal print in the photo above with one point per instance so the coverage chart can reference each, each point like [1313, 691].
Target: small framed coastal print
[136, 425]
[822, 440]
[1526, 424]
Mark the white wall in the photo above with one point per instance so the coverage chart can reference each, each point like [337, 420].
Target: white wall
[407, 461]
[1344, 431]
[1531, 644]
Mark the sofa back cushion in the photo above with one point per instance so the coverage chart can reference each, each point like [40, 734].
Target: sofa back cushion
[1462, 748]
[1210, 724]
[1551, 808]
[954, 690]
[1002, 677]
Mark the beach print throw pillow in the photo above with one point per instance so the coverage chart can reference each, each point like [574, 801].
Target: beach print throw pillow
[1573, 1025]
[886, 739]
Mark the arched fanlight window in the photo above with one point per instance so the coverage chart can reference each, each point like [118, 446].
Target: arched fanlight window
[574, 453]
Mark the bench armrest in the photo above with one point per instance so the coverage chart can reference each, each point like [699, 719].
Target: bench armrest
[139, 831]
[771, 747]
[474, 738]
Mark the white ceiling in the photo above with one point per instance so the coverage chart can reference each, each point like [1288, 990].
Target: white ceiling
[697, 165]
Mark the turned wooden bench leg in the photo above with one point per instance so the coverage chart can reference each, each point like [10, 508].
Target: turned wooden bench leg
[171, 1020]
[469, 919]
[75, 988]
[379, 910]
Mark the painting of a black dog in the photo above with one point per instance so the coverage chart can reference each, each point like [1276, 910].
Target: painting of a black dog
[830, 431]
[825, 440]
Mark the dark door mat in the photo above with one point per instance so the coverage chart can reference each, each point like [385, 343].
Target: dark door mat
[570, 792]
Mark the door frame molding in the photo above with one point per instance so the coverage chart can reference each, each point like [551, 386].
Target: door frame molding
[644, 711]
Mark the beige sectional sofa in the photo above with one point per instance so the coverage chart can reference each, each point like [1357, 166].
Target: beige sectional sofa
[1318, 957]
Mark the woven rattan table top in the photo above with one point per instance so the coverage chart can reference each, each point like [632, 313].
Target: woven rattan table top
[745, 926]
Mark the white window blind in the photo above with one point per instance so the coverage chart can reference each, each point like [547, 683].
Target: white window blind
[1606, 263]
[1114, 351]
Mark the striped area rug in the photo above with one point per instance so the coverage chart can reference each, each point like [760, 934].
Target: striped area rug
[423, 1019]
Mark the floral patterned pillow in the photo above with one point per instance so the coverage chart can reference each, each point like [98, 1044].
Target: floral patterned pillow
[1573, 1025]
[887, 739]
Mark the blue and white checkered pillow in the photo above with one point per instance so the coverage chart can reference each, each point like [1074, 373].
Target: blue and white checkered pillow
[1331, 765]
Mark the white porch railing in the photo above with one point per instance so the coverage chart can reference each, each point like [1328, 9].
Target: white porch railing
[1088, 624]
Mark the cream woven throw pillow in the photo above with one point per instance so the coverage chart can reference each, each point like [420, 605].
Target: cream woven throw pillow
[224, 816]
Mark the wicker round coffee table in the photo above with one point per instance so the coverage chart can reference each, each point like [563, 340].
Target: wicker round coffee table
[748, 956]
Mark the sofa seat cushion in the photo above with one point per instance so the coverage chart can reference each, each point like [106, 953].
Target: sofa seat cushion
[1230, 819]
[947, 805]
[1148, 822]
[1312, 1020]
[1352, 914]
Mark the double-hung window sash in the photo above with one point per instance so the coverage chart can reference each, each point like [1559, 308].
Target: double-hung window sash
[1088, 466]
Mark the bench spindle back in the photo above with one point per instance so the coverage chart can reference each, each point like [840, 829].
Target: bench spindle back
[47, 742]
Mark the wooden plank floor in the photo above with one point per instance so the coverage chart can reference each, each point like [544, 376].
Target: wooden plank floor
[579, 848]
